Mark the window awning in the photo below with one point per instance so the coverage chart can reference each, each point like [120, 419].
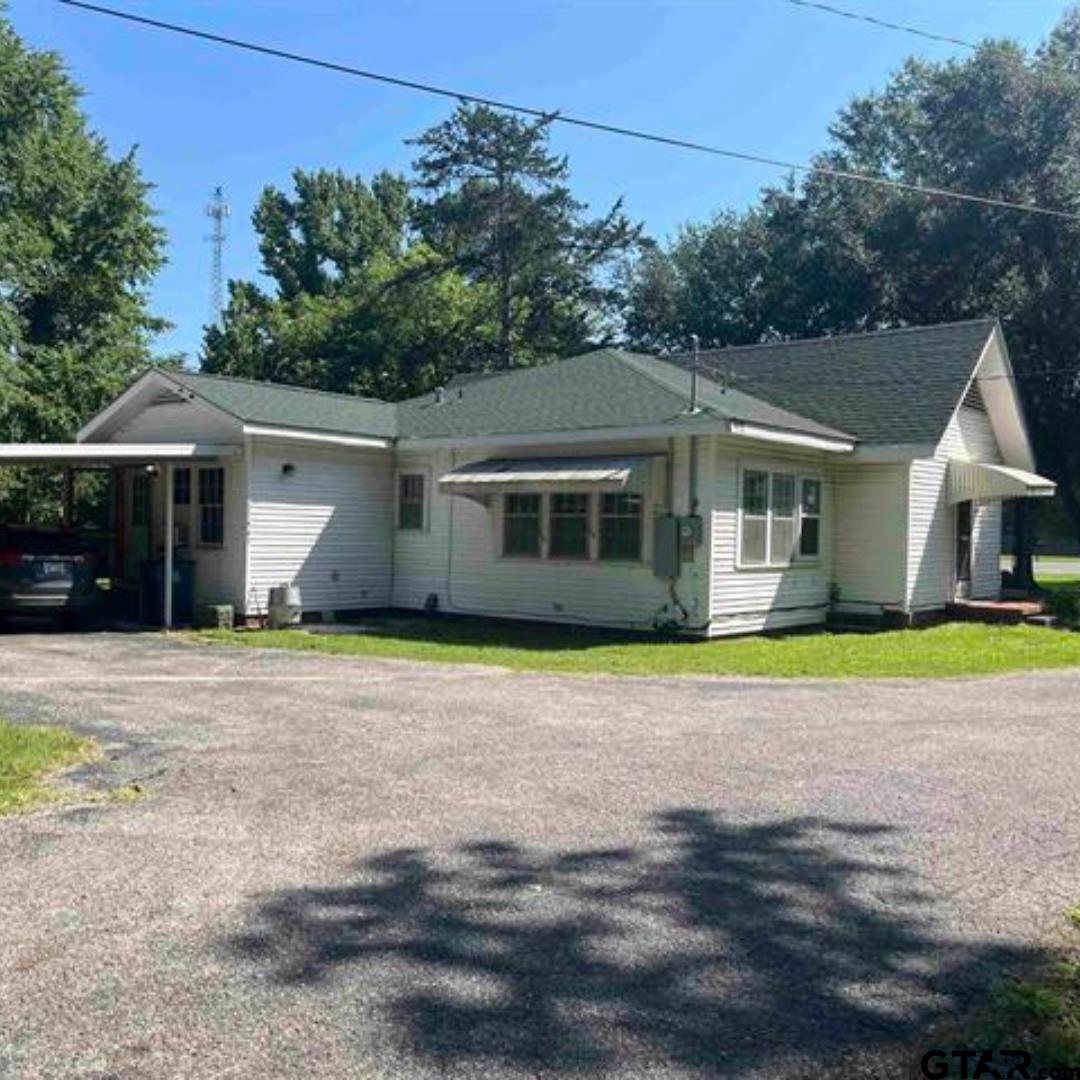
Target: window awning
[621, 473]
[88, 454]
[992, 483]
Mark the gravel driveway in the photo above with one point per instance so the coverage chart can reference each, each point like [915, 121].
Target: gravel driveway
[380, 869]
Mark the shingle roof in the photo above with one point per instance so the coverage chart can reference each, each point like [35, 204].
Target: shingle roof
[891, 386]
[894, 386]
[603, 389]
[291, 406]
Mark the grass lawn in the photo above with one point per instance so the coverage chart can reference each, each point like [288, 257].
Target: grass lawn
[1040, 1014]
[955, 649]
[28, 755]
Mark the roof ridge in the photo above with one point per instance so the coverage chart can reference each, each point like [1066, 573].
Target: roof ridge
[279, 386]
[832, 338]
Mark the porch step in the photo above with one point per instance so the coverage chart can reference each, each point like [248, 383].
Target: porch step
[1002, 612]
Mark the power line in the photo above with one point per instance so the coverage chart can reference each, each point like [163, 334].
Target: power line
[883, 24]
[554, 116]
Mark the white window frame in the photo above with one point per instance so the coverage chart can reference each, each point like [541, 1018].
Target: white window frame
[423, 475]
[800, 474]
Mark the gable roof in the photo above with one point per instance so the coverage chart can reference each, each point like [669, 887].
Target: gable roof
[603, 389]
[885, 387]
[278, 405]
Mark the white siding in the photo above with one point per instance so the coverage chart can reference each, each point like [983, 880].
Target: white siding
[969, 437]
[746, 600]
[325, 527]
[986, 552]
[870, 536]
[182, 421]
[458, 559]
[931, 570]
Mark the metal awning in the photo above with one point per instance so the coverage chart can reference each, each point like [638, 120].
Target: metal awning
[969, 480]
[607, 473]
[88, 454]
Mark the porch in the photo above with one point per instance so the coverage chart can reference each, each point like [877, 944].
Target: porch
[164, 514]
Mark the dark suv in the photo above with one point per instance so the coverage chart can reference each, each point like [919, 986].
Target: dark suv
[46, 572]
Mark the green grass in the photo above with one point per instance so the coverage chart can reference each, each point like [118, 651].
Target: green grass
[28, 755]
[1040, 1014]
[956, 649]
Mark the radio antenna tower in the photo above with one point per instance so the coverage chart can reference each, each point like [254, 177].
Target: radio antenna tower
[217, 209]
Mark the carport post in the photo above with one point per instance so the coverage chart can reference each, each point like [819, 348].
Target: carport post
[168, 485]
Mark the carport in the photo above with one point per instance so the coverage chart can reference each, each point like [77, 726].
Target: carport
[117, 457]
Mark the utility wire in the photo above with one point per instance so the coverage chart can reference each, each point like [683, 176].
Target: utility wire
[550, 116]
[883, 24]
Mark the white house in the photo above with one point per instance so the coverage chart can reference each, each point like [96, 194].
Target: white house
[754, 488]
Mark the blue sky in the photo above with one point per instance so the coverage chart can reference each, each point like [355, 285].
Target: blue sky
[755, 75]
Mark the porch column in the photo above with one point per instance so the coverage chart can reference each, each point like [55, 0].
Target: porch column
[167, 474]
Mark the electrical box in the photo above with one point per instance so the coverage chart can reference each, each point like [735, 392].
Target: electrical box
[691, 529]
[666, 560]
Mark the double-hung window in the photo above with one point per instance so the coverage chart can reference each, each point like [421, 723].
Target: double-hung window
[212, 507]
[621, 521]
[810, 518]
[411, 501]
[780, 518]
[568, 534]
[521, 525]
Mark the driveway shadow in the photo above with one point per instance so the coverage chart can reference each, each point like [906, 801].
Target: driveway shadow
[789, 946]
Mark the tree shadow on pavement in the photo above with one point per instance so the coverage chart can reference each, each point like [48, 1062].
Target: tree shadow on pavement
[788, 946]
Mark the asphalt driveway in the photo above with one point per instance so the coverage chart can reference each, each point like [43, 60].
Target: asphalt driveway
[383, 869]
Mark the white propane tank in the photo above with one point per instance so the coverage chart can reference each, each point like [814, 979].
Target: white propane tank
[285, 607]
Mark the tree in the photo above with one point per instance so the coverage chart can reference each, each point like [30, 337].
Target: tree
[78, 247]
[315, 241]
[830, 256]
[496, 207]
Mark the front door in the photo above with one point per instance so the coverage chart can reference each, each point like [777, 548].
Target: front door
[963, 550]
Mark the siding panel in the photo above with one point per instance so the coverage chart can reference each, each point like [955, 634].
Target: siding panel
[326, 527]
[745, 600]
[458, 557]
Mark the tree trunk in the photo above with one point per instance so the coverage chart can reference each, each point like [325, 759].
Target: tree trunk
[1023, 547]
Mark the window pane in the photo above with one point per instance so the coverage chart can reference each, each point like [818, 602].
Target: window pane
[783, 540]
[753, 541]
[783, 495]
[620, 526]
[182, 487]
[811, 497]
[569, 526]
[521, 525]
[411, 501]
[140, 501]
[212, 506]
[810, 537]
[755, 492]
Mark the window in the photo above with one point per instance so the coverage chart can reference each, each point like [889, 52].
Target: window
[182, 487]
[780, 518]
[140, 501]
[569, 532]
[411, 501]
[521, 525]
[212, 507]
[782, 522]
[810, 519]
[755, 518]
[620, 526]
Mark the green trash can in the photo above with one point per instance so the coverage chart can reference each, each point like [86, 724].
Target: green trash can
[152, 592]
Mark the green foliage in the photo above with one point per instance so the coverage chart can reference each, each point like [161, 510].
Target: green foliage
[1062, 600]
[78, 247]
[960, 649]
[498, 210]
[379, 293]
[826, 256]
